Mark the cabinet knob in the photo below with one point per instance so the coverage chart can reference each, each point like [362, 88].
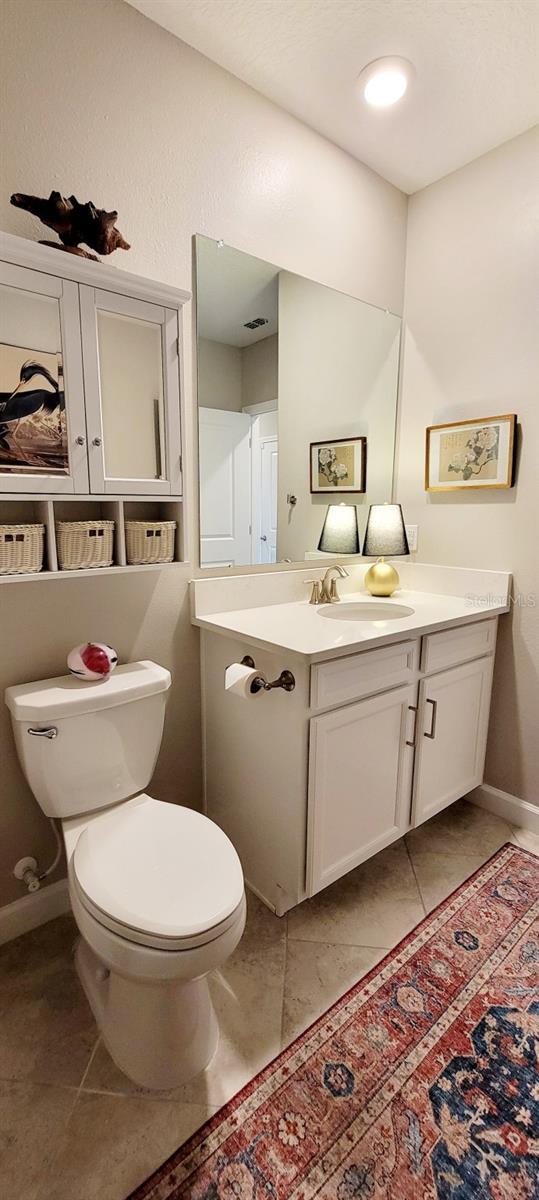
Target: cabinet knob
[96, 441]
[80, 440]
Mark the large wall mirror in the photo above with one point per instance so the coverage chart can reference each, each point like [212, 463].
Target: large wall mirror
[297, 405]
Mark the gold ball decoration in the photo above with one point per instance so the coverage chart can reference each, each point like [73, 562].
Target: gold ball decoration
[381, 579]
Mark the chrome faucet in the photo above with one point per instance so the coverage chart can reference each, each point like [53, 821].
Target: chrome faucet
[328, 586]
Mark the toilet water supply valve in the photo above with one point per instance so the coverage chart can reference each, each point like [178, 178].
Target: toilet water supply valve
[26, 869]
[90, 661]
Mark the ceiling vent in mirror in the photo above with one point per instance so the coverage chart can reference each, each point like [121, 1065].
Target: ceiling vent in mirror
[256, 322]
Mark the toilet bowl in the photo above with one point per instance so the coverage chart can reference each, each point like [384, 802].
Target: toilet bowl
[156, 889]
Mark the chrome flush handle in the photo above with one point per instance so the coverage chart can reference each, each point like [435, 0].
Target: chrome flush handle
[50, 733]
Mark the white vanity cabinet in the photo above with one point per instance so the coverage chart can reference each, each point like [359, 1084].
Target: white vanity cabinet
[110, 343]
[452, 735]
[309, 784]
[360, 772]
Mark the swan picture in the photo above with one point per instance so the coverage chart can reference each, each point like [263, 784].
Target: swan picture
[33, 435]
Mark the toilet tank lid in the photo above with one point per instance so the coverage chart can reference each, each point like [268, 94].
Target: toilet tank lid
[67, 696]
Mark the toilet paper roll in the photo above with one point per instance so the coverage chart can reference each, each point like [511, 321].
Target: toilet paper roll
[238, 680]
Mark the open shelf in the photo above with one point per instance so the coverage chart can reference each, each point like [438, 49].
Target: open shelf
[78, 573]
[48, 510]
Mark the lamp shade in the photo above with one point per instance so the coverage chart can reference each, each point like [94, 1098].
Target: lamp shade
[385, 532]
[340, 533]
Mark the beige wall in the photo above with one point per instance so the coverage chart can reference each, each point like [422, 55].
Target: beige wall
[338, 372]
[259, 371]
[219, 375]
[471, 350]
[231, 377]
[191, 150]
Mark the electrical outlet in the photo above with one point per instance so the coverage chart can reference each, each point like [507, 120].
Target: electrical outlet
[411, 534]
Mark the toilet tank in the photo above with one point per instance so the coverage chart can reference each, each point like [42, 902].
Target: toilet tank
[104, 737]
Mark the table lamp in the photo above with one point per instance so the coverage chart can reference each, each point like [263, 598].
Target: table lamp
[340, 533]
[385, 534]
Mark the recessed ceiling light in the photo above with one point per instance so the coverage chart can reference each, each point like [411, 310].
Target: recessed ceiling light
[384, 81]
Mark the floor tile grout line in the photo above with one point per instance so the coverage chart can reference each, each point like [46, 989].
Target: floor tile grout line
[27, 1081]
[433, 853]
[283, 998]
[414, 873]
[350, 945]
[89, 1063]
[156, 1097]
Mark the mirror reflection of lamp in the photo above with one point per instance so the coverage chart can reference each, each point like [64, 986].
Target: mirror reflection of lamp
[385, 534]
[340, 533]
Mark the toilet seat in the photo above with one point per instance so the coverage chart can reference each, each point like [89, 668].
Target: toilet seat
[158, 874]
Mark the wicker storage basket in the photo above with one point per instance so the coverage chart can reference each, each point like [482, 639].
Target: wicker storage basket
[21, 549]
[149, 541]
[84, 544]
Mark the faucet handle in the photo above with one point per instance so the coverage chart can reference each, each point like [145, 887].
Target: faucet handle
[315, 593]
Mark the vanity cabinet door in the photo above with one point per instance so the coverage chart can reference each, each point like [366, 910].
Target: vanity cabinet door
[130, 351]
[360, 776]
[451, 736]
[42, 420]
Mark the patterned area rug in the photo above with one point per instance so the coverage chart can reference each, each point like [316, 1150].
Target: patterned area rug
[421, 1082]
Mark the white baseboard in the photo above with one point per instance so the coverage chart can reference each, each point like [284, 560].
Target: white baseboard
[503, 804]
[32, 910]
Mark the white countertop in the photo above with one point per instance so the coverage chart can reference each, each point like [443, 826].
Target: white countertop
[300, 628]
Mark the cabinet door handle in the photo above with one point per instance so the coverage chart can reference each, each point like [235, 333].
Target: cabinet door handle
[412, 708]
[96, 441]
[80, 440]
[432, 733]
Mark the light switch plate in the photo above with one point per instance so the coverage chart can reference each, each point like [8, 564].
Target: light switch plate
[411, 534]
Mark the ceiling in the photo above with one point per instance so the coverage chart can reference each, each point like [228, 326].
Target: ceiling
[233, 288]
[475, 60]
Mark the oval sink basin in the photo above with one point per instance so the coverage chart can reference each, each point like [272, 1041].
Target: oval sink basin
[383, 611]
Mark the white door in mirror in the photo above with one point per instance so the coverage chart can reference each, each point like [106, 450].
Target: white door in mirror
[225, 495]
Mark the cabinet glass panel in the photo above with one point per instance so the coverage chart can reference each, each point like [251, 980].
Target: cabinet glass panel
[131, 382]
[33, 434]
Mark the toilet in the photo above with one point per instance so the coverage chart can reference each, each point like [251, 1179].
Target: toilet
[157, 890]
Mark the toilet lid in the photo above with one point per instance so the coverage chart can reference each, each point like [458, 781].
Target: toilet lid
[158, 868]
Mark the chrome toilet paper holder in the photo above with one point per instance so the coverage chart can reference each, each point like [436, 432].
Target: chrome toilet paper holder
[286, 679]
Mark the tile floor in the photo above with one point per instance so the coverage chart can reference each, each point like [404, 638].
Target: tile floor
[72, 1127]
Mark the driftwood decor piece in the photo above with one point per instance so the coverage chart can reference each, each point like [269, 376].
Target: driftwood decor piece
[74, 223]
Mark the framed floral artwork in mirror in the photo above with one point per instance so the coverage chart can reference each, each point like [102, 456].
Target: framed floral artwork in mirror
[339, 465]
[470, 454]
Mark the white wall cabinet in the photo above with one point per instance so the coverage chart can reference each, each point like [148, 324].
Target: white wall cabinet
[41, 364]
[106, 397]
[311, 783]
[131, 381]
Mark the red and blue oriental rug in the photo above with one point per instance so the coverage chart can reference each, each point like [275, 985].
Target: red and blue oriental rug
[420, 1083]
